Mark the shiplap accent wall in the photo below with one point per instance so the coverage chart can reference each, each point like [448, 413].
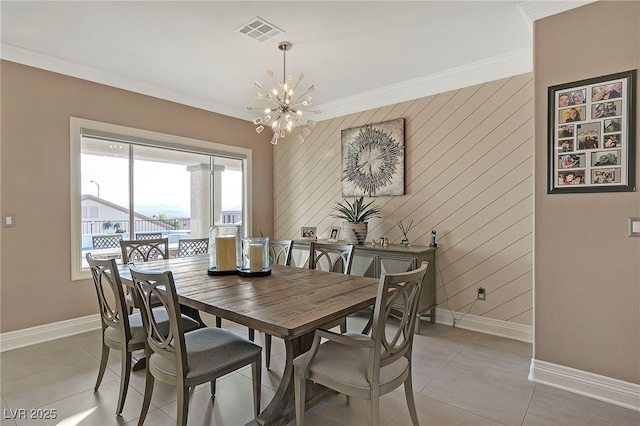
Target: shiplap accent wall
[468, 175]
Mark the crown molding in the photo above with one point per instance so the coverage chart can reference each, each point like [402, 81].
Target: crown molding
[514, 63]
[518, 62]
[37, 60]
[536, 9]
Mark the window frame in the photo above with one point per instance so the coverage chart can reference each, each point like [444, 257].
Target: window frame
[80, 126]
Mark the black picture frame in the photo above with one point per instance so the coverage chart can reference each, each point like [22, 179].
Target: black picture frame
[592, 135]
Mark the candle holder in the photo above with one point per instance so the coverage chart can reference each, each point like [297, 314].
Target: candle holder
[225, 248]
[255, 257]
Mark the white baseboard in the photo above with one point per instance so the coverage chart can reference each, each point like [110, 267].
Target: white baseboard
[607, 389]
[495, 327]
[43, 333]
[602, 388]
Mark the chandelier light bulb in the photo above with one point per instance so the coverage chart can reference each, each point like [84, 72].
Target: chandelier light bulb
[284, 114]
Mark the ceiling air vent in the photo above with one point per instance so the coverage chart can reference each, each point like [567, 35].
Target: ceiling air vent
[259, 29]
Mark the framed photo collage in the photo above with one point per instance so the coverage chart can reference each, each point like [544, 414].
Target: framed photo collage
[592, 135]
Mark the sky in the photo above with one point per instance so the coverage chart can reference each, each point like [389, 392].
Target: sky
[167, 184]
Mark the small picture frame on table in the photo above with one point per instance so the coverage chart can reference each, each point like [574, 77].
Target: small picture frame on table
[334, 233]
[592, 135]
[308, 233]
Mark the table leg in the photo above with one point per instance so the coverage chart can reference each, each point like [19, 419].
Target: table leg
[281, 409]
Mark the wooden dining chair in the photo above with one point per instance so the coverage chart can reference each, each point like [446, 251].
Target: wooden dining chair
[142, 251]
[120, 330]
[332, 257]
[373, 363]
[280, 252]
[192, 247]
[187, 360]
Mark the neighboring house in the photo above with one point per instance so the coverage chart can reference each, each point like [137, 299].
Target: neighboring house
[96, 211]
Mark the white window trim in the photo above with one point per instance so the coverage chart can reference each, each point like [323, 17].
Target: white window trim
[160, 139]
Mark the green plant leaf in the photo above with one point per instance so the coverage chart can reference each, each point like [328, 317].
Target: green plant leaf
[356, 212]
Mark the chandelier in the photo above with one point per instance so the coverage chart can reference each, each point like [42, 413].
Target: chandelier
[285, 110]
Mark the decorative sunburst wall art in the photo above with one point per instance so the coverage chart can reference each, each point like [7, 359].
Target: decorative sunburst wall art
[373, 159]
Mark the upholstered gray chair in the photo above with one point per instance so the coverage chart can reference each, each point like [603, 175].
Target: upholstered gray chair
[280, 252]
[332, 257]
[144, 250]
[120, 331]
[187, 360]
[373, 363]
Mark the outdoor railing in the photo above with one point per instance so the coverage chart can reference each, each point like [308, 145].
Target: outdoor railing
[91, 227]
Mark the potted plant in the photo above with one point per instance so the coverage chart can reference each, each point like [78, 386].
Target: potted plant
[356, 217]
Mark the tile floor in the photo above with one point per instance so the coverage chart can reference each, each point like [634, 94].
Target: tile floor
[459, 378]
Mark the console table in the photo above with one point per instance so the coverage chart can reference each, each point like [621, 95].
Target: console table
[371, 261]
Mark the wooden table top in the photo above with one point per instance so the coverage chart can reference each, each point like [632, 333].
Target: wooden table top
[288, 303]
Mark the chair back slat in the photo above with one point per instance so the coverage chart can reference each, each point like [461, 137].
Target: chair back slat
[398, 294]
[109, 241]
[149, 236]
[111, 300]
[331, 257]
[280, 252]
[192, 247]
[168, 343]
[144, 250]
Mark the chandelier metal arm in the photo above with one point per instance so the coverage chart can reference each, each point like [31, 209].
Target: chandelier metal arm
[286, 108]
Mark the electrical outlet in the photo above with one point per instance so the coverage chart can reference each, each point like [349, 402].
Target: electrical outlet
[482, 293]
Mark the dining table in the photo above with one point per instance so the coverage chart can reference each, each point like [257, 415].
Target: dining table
[289, 303]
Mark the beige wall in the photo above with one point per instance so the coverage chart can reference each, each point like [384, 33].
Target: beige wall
[469, 175]
[587, 271]
[36, 106]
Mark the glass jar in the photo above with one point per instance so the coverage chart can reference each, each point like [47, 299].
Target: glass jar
[225, 249]
[255, 255]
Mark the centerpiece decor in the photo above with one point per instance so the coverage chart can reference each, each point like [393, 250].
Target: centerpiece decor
[255, 257]
[224, 249]
[356, 217]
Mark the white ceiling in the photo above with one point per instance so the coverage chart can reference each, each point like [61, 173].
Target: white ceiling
[360, 54]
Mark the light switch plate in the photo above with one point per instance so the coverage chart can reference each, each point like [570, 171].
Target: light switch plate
[9, 220]
[634, 226]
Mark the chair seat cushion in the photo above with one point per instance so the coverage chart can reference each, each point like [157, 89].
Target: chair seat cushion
[138, 334]
[209, 349]
[348, 364]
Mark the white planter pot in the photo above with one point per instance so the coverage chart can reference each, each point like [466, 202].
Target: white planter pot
[355, 232]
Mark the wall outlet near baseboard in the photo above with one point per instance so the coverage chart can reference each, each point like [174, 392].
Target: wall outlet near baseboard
[482, 293]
